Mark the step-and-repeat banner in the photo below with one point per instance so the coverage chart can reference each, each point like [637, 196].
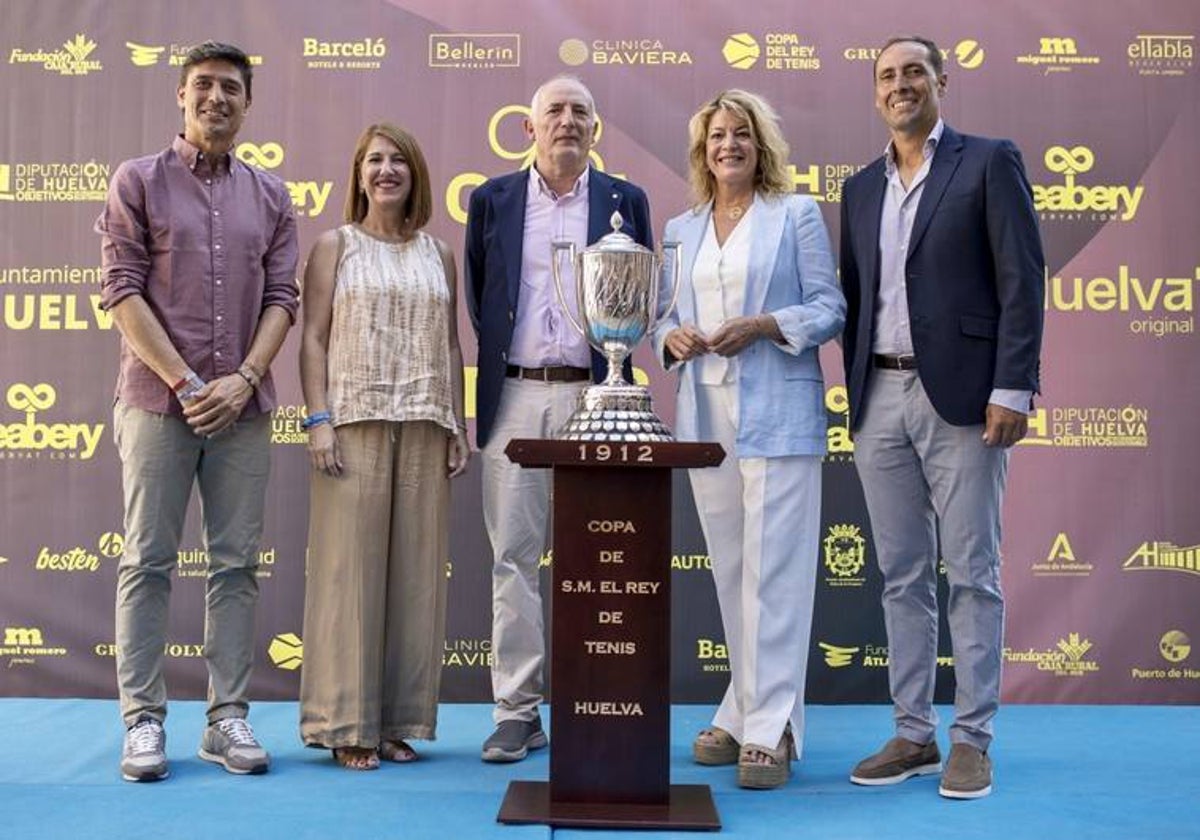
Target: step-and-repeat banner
[1101, 522]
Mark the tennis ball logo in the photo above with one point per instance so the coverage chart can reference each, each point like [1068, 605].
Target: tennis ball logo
[968, 53]
[741, 51]
[286, 651]
[573, 52]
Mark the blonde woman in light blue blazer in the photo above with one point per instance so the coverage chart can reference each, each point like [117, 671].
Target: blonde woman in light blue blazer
[758, 296]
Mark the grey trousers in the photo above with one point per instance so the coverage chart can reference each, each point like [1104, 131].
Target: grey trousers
[160, 460]
[924, 479]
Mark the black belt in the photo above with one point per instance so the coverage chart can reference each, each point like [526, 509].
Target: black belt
[892, 362]
[556, 373]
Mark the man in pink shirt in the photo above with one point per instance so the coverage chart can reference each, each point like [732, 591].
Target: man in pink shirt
[199, 272]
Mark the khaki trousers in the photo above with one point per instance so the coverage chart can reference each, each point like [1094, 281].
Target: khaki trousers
[375, 595]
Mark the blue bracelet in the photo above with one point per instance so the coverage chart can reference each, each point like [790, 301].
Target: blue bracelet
[315, 420]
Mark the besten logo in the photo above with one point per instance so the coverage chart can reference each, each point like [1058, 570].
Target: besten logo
[71, 60]
[463, 51]
[309, 197]
[1161, 55]
[1168, 301]
[148, 55]
[784, 51]
[286, 651]
[507, 123]
[1061, 561]
[1068, 200]
[23, 645]
[845, 555]
[79, 559]
[621, 51]
[54, 181]
[467, 653]
[31, 437]
[1068, 657]
[1057, 54]
[363, 54]
[967, 54]
[1092, 427]
[1164, 557]
[838, 656]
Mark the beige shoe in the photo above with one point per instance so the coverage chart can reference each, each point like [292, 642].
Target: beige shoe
[899, 759]
[715, 746]
[762, 775]
[968, 773]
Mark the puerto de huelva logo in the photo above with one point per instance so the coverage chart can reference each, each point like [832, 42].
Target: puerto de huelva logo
[73, 58]
[31, 435]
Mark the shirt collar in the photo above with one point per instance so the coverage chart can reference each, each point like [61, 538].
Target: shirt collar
[195, 160]
[931, 143]
[539, 186]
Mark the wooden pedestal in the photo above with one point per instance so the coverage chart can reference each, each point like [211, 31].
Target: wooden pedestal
[610, 650]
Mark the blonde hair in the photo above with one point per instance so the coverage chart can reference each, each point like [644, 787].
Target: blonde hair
[419, 207]
[771, 175]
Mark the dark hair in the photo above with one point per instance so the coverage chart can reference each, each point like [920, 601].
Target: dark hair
[419, 207]
[935, 55]
[217, 51]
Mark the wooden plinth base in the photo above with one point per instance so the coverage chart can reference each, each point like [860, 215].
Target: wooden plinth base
[690, 808]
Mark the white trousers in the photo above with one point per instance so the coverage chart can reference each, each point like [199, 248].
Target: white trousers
[761, 519]
[516, 513]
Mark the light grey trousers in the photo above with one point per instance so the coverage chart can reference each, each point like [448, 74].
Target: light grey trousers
[926, 480]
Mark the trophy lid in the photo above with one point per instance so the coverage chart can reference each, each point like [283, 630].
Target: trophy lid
[617, 241]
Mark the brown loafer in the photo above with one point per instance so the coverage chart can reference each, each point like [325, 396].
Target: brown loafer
[714, 746]
[968, 773]
[899, 759]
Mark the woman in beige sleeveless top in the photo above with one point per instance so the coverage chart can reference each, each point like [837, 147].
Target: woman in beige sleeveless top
[381, 370]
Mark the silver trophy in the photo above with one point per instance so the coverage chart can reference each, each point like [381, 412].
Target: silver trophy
[617, 285]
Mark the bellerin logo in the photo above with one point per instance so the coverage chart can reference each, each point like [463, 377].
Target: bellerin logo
[1116, 201]
[837, 656]
[477, 51]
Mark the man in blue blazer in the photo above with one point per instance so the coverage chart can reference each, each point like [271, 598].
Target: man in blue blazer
[943, 274]
[532, 366]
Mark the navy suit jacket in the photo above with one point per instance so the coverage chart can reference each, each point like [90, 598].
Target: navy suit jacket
[495, 235]
[975, 277]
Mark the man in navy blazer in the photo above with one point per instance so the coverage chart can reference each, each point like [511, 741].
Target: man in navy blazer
[532, 366]
[942, 268]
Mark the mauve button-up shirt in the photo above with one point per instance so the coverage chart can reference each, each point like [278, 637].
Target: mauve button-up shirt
[209, 244]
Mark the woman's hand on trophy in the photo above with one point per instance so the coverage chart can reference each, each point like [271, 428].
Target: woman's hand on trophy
[686, 342]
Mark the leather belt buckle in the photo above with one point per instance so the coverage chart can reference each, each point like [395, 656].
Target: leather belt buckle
[888, 361]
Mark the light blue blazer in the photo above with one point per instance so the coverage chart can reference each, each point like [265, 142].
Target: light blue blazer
[781, 394]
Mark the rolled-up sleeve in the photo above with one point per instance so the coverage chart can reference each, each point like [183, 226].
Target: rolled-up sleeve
[124, 257]
[279, 262]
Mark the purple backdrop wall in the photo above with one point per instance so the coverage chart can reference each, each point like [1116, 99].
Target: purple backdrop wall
[1101, 527]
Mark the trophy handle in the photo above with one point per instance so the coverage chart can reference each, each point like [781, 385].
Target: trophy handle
[556, 249]
[676, 252]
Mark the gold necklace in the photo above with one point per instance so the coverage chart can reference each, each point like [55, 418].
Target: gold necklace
[734, 212]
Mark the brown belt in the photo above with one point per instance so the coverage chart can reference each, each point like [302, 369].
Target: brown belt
[557, 373]
[891, 362]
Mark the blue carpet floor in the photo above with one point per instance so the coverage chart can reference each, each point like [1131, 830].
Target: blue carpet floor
[1062, 772]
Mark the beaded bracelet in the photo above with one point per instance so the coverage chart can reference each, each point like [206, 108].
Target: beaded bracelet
[315, 419]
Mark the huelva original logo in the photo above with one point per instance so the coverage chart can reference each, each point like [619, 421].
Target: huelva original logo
[30, 437]
[1110, 201]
